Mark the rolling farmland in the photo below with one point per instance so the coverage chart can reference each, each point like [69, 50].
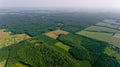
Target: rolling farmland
[40, 38]
[7, 39]
[112, 53]
[109, 25]
[107, 31]
[104, 31]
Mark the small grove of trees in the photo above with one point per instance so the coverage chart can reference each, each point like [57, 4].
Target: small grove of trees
[79, 53]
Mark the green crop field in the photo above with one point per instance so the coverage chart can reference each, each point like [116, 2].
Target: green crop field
[106, 37]
[96, 35]
[85, 64]
[112, 53]
[102, 29]
[63, 46]
[107, 25]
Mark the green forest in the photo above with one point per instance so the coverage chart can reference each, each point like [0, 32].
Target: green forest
[67, 50]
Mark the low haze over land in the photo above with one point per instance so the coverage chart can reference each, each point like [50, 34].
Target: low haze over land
[86, 4]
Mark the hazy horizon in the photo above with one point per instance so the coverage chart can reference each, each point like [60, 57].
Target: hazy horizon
[56, 4]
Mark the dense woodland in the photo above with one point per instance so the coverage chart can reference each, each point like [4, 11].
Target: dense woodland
[35, 23]
[41, 51]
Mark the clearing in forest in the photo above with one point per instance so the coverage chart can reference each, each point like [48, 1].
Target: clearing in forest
[7, 39]
[63, 46]
[54, 34]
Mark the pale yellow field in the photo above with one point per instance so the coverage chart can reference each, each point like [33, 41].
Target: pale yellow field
[18, 65]
[54, 34]
[13, 39]
[117, 35]
[7, 39]
[2, 63]
[63, 46]
[4, 34]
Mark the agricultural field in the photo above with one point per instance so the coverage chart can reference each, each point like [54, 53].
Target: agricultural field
[117, 35]
[102, 29]
[96, 35]
[106, 37]
[63, 46]
[47, 38]
[110, 21]
[112, 53]
[114, 26]
[54, 34]
[4, 34]
[2, 63]
[8, 39]
[106, 34]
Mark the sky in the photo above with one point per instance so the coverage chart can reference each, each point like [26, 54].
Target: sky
[106, 4]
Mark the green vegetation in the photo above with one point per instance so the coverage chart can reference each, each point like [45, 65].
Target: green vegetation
[24, 43]
[108, 25]
[85, 64]
[96, 35]
[37, 23]
[27, 54]
[102, 29]
[71, 29]
[103, 35]
[106, 61]
[18, 65]
[46, 39]
[79, 53]
[2, 63]
[13, 39]
[63, 46]
[112, 53]
[70, 40]
[86, 49]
